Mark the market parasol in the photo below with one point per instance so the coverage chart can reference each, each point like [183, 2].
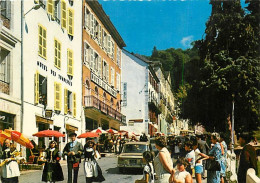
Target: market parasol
[123, 132]
[19, 138]
[4, 136]
[88, 135]
[111, 131]
[48, 133]
[98, 131]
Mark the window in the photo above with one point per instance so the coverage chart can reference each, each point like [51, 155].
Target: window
[50, 7]
[118, 81]
[91, 52]
[86, 54]
[96, 61]
[63, 15]
[4, 71]
[108, 45]
[57, 12]
[112, 78]
[42, 41]
[105, 71]
[91, 24]
[57, 96]
[40, 89]
[70, 21]
[6, 8]
[112, 49]
[118, 57]
[68, 102]
[57, 57]
[104, 39]
[70, 62]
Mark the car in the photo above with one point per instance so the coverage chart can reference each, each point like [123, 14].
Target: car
[132, 154]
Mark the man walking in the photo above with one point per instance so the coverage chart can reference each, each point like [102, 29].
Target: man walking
[73, 150]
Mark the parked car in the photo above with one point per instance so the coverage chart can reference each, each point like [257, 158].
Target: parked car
[132, 154]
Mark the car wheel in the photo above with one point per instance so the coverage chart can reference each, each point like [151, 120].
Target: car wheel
[121, 170]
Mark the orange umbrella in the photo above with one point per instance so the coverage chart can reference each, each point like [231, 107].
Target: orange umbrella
[19, 138]
[88, 135]
[111, 131]
[99, 131]
[49, 133]
[4, 136]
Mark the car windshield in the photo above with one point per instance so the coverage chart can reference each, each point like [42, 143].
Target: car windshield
[135, 148]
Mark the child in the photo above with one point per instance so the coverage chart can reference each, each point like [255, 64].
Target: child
[181, 175]
[148, 173]
[190, 156]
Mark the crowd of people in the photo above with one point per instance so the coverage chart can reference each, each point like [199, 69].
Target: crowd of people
[192, 154]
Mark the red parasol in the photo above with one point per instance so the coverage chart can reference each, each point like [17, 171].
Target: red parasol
[88, 135]
[48, 133]
[19, 138]
[123, 132]
[111, 131]
[99, 131]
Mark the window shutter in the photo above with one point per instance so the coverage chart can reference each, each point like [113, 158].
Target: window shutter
[74, 105]
[65, 101]
[50, 7]
[42, 41]
[57, 56]
[103, 38]
[70, 62]
[63, 15]
[92, 24]
[109, 44]
[36, 87]
[57, 96]
[91, 58]
[99, 34]
[107, 74]
[99, 66]
[70, 21]
[86, 18]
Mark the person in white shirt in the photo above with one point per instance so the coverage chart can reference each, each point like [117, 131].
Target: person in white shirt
[181, 175]
[190, 156]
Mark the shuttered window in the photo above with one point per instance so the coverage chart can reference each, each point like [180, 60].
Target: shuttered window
[70, 62]
[57, 56]
[112, 76]
[50, 7]
[36, 87]
[42, 41]
[63, 14]
[70, 21]
[91, 24]
[74, 105]
[65, 101]
[57, 96]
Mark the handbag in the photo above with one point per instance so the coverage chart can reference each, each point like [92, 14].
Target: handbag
[212, 165]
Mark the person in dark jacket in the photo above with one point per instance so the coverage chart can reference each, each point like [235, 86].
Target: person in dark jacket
[73, 150]
[52, 171]
[248, 158]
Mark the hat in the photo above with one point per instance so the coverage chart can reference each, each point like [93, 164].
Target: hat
[72, 134]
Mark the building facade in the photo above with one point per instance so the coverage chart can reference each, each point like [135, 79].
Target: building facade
[101, 81]
[52, 68]
[10, 65]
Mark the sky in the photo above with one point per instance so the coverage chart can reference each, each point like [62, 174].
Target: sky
[161, 23]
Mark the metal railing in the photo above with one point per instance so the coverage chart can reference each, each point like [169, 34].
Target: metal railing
[92, 101]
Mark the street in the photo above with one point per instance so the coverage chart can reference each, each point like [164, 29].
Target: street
[107, 164]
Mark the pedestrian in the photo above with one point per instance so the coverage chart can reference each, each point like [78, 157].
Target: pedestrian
[148, 172]
[162, 162]
[52, 171]
[204, 148]
[181, 175]
[247, 158]
[190, 156]
[92, 170]
[223, 158]
[10, 168]
[214, 153]
[199, 157]
[117, 145]
[73, 150]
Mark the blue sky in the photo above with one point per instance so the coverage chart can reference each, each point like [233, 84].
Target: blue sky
[164, 24]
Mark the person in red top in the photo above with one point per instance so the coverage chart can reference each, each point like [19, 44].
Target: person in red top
[248, 158]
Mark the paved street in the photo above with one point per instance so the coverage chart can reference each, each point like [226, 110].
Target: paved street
[108, 165]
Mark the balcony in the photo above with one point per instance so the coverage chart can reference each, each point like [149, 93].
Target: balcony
[4, 87]
[92, 101]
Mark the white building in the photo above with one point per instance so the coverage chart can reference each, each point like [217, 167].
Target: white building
[52, 68]
[139, 94]
[10, 62]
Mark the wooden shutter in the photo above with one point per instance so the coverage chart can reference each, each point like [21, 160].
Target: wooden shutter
[36, 87]
[99, 66]
[65, 101]
[74, 104]
[63, 15]
[91, 58]
[92, 24]
[50, 7]
[70, 62]
[109, 44]
[70, 21]
[57, 56]
[57, 96]
[107, 74]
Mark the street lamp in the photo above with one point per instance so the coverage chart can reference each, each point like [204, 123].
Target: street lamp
[35, 7]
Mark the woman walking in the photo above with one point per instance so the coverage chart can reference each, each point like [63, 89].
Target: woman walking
[92, 170]
[52, 171]
[162, 162]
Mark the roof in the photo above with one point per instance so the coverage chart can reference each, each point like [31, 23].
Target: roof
[100, 13]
